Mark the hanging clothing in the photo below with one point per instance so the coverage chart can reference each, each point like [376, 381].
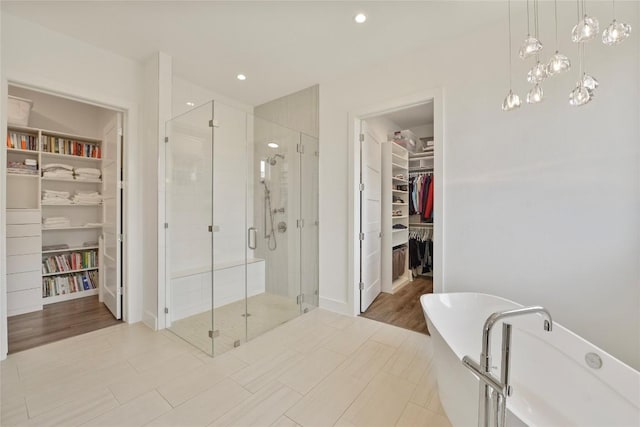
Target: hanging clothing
[428, 212]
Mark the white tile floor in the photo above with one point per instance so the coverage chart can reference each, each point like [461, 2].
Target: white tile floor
[320, 369]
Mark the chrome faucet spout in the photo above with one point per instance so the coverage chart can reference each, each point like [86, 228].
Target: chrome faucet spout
[495, 317]
[490, 409]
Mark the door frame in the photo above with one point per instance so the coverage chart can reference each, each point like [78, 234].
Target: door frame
[434, 95]
[131, 257]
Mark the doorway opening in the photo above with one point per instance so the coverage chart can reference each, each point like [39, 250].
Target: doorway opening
[398, 201]
[64, 210]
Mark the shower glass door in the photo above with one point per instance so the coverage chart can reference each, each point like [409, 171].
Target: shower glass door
[242, 226]
[188, 212]
[230, 229]
[273, 262]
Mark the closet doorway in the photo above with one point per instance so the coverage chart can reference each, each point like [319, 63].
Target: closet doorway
[398, 203]
[64, 210]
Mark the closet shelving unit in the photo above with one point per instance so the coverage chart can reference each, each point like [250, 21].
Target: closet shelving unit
[395, 210]
[24, 195]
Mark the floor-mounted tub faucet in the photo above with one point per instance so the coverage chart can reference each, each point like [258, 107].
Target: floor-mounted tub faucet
[492, 406]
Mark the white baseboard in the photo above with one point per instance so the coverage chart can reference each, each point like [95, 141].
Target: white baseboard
[336, 306]
[150, 319]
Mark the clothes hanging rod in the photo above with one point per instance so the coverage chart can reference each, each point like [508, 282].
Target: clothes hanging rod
[420, 224]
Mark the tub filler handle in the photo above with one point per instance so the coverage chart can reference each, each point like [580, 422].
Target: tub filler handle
[492, 408]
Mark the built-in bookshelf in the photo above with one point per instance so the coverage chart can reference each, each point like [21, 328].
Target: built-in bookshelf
[69, 268]
[69, 262]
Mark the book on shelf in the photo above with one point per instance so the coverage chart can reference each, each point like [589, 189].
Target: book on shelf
[55, 145]
[68, 284]
[22, 141]
[70, 262]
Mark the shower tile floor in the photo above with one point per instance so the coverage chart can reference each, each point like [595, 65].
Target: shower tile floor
[266, 311]
[320, 369]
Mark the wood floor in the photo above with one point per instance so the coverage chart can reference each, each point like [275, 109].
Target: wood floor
[403, 308]
[58, 321]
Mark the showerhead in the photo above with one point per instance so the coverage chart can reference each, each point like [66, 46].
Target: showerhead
[273, 159]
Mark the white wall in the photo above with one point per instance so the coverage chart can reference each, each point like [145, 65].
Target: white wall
[82, 71]
[542, 205]
[60, 114]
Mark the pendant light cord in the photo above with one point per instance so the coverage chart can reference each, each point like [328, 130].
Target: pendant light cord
[509, 19]
[535, 26]
[613, 3]
[528, 21]
[555, 12]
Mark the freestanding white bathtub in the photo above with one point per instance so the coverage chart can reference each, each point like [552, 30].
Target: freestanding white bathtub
[553, 385]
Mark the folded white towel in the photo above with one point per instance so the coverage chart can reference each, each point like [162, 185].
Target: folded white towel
[57, 166]
[87, 171]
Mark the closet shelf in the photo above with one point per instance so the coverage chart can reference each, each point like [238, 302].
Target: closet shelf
[400, 180]
[78, 248]
[403, 158]
[400, 204]
[79, 227]
[58, 273]
[400, 191]
[83, 181]
[20, 150]
[70, 205]
[399, 217]
[70, 296]
[70, 157]
[21, 175]
[399, 230]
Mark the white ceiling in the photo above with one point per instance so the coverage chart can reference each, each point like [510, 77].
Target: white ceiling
[282, 47]
[411, 117]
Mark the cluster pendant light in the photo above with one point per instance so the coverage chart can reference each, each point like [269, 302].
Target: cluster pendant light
[512, 100]
[585, 30]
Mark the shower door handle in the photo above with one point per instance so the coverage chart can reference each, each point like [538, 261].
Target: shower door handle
[251, 238]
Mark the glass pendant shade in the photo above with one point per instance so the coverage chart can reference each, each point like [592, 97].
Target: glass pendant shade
[558, 63]
[535, 95]
[616, 33]
[511, 101]
[530, 46]
[580, 95]
[585, 30]
[589, 82]
[537, 74]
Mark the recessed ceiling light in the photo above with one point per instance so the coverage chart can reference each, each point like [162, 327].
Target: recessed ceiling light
[273, 145]
[190, 104]
[360, 18]
[241, 77]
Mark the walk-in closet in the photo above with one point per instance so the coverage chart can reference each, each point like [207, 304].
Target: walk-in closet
[63, 209]
[397, 193]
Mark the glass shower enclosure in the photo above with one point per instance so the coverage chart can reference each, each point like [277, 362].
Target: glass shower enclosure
[241, 206]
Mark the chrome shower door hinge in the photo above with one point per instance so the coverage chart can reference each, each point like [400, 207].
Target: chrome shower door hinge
[361, 286]
[214, 334]
[362, 137]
